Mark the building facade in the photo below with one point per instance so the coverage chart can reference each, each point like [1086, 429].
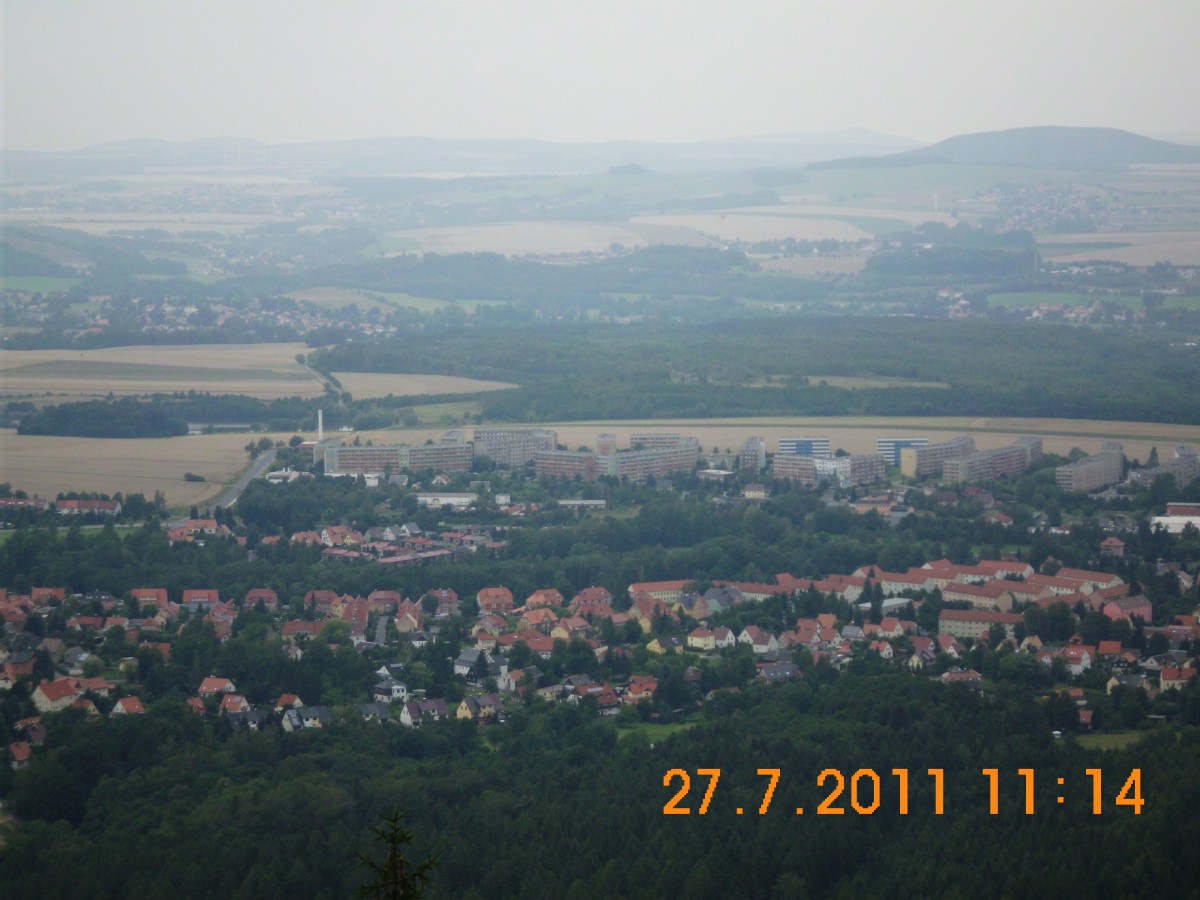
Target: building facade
[805, 446]
[513, 447]
[889, 447]
[1092, 472]
[922, 462]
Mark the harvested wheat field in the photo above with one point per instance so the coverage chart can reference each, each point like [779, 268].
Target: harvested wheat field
[521, 238]
[258, 370]
[45, 466]
[362, 385]
[750, 226]
[1181, 248]
[814, 265]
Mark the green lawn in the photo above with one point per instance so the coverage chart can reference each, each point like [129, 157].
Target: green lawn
[1116, 741]
[420, 304]
[1050, 298]
[655, 732]
[43, 284]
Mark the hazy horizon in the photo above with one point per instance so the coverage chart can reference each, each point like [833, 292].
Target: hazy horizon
[78, 74]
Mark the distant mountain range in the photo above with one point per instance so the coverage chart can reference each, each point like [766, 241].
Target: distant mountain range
[437, 156]
[1045, 147]
[1050, 147]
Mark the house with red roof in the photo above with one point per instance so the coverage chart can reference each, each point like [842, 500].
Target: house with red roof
[497, 600]
[544, 597]
[1138, 606]
[128, 706]
[233, 703]
[53, 696]
[267, 597]
[21, 754]
[213, 685]
[701, 639]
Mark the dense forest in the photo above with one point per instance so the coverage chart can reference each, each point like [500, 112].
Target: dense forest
[991, 368]
[123, 418]
[558, 803]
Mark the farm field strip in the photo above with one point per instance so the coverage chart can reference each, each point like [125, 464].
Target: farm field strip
[260, 370]
[370, 384]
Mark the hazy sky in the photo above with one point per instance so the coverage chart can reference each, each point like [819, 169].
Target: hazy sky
[77, 72]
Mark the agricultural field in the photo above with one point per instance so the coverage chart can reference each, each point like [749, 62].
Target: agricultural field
[1141, 248]
[44, 466]
[756, 226]
[37, 284]
[521, 238]
[1049, 298]
[103, 223]
[258, 370]
[362, 385]
[813, 265]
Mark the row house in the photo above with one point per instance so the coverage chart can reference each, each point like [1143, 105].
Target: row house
[980, 596]
[758, 640]
[665, 591]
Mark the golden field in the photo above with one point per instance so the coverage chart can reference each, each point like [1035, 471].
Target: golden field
[362, 385]
[1182, 248]
[814, 265]
[258, 370]
[45, 466]
[520, 238]
[755, 226]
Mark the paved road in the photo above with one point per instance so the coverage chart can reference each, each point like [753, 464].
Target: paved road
[257, 468]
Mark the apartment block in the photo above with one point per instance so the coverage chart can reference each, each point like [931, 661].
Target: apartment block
[513, 447]
[922, 462]
[753, 455]
[566, 464]
[797, 468]
[805, 446]
[889, 447]
[447, 456]
[1092, 472]
[989, 464]
[853, 471]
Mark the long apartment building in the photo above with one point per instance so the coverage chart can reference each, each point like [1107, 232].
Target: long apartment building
[659, 455]
[988, 464]
[513, 447]
[450, 455]
[1092, 472]
[922, 462]
[566, 464]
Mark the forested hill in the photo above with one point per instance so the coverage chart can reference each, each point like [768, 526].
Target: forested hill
[1050, 147]
[556, 805]
[576, 372]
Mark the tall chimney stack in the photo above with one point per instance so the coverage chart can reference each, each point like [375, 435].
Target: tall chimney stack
[320, 425]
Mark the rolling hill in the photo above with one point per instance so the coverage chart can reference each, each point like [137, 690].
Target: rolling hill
[1048, 147]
